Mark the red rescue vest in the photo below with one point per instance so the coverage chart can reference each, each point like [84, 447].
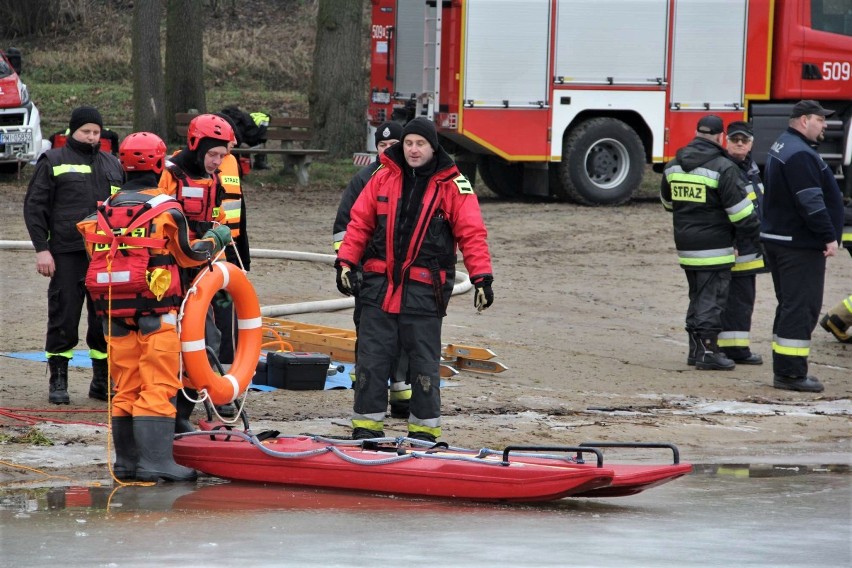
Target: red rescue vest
[124, 260]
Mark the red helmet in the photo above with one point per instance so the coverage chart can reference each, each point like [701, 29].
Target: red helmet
[208, 126]
[142, 151]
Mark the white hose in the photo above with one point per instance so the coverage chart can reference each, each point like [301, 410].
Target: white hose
[462, 280]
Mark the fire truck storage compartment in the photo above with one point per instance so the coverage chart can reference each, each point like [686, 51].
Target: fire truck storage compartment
[708, 62]
[507, 40]
[611, 42]
[414, 66]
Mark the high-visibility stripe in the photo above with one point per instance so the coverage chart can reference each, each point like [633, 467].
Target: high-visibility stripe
[710, 257]
[71, 169]
[791, 347]
[733, 339]
[192, 191]
[118, 277]
[197, 345]
[97, 355]
[776, 237]
[375, 425]
[848, 303]
[693, 177]
[230, 180]
[413, 428]
[66, 354]
[250, 323]
[740, 211]
[170, 317]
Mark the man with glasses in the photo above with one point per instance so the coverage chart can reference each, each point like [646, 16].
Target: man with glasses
[734, 339]
[801, 225]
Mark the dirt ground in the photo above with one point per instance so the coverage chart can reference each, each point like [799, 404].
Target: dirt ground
[588, 316]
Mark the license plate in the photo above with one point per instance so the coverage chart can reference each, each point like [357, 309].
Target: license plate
[21, 137]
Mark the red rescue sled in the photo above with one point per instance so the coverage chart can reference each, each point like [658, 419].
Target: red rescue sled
[409, 467]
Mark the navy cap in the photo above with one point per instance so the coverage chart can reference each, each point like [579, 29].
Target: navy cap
[806, 107]
[740, 127]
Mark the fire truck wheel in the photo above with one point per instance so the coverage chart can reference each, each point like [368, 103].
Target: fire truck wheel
[503, 178]
[603, 161]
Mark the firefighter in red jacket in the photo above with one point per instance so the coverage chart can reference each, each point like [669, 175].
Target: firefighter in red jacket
[137, 241]
[405, 227]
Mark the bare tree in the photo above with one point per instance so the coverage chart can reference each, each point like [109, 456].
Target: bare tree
[149, 113]
[184, 59]
[337, 96]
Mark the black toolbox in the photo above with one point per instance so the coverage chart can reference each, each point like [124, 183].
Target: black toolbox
[297, 370]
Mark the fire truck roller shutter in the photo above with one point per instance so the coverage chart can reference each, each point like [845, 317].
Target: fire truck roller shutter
[603, 161]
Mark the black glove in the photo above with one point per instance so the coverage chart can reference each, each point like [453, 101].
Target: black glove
[483, 296]
[344, 278]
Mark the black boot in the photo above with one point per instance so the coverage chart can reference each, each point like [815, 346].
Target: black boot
[155, 436]
[693, 347]
[126, 454]
[184, 409]
[58, 380]
[708, 356]
[100, 379]
[260, 162]
[400, 400]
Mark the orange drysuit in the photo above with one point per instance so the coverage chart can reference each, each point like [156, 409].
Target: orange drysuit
[134, 279]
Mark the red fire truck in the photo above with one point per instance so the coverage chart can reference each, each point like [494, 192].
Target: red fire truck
[572, 98]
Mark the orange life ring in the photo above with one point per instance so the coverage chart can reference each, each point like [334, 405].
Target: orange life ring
[221, 389]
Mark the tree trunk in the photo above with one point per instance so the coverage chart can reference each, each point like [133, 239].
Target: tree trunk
[149, 113]
[184, 59]
[337, 96]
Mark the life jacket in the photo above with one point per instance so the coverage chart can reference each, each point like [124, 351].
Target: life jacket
[199, 197]
[229, 177]
[128, 276]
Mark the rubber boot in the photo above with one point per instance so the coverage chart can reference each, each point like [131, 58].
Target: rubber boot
[693, 347]
[100, 379]
[58, 380]
[155, 436]
[184, 409]
[126, 454]
[708, 356]
[837, 321]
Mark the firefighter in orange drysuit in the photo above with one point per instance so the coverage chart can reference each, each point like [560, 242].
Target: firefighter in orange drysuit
[137, 240]
[193, 177]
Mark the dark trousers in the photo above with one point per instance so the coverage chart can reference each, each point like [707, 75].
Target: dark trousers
[65, 296]
[381, 336]
[735, 338]
[708, 294]
[798, 276]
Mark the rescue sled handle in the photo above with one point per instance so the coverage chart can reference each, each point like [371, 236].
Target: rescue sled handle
[672, 447]
[580, 451]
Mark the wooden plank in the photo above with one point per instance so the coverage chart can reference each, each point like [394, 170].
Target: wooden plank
[468, 351]
[290, 122]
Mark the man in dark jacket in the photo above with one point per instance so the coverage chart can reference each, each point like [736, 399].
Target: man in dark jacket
[405, 227]
[387, 134]
[801, 225]
[735, 338]
[704, 190]
[66, 186]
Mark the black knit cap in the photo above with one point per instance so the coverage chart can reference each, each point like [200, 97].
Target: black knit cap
[388, 131]
[84, 115]
[425, 128]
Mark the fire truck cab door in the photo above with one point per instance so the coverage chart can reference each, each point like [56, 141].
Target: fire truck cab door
[708, 55]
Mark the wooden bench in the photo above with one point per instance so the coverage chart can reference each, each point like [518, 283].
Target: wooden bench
[289, 132]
